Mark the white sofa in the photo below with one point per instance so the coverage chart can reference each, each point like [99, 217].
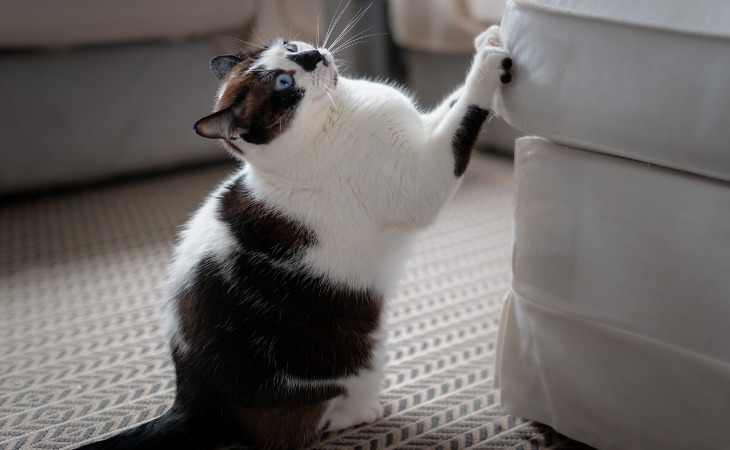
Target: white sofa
[617, 329]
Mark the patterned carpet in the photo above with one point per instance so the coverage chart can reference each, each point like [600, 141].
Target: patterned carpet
[82, 353]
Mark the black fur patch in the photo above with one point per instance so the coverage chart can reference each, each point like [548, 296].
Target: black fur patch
[254, 320]
[250, 108]
[178, 428]
[506, 66]
[466, 137]
[308, 60]
[260, 229]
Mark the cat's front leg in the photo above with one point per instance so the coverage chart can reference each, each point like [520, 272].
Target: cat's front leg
[443, 145]
[462, 115]
[436, 115]
[491, 67]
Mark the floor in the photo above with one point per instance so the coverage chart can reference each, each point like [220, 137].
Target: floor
[82, 354]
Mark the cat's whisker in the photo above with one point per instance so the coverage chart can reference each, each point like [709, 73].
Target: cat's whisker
[342, 65]
[361, 35]
[260, 32]
[318, 12]
[336, 19]
[351, 38]
[278, 122]
[252, 26]
[329, 27]
[352, 23]
[241, 41]
[344, 47]
[356, 42]
[327, 91]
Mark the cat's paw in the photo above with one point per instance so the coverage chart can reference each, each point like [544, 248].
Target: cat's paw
[489, 38]
[342, 418]
[492, 58]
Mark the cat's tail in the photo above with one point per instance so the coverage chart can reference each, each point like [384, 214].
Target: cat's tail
[178, 428]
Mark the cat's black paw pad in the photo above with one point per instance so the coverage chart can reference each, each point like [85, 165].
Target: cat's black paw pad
[506, 75]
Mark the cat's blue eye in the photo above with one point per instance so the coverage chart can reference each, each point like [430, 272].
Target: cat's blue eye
[283, 81]
[290, 48]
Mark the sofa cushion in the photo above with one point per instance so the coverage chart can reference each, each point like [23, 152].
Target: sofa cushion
[103, 113]
[643, 80]
[50, 23]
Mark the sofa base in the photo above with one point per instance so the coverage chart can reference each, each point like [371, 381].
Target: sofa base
[615, 332]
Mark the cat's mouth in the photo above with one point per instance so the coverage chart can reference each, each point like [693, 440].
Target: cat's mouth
[325, 81]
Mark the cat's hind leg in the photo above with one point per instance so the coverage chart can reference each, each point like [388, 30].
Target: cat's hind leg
[359, 405]
[284, 426]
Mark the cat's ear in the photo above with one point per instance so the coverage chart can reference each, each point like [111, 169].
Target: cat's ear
[220, 65]
[223, 124]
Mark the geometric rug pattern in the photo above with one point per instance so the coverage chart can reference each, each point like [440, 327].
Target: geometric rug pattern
[82, 353]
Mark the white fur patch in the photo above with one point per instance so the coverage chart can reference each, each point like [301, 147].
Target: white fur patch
[361, 404]
[203, 235]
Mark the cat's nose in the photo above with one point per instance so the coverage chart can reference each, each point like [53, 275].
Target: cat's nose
[308, 60]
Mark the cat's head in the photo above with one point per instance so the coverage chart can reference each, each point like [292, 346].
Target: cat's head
[261, 92]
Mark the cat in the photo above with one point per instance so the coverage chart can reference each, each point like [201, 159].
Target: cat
[279, 281]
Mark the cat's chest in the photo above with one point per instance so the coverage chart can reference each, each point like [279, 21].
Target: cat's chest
[375, 107]
[349, 243]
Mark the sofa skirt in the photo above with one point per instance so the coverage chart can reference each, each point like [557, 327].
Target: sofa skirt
[616, 330]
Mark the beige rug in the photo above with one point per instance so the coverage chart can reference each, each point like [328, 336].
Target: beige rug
[82, 353]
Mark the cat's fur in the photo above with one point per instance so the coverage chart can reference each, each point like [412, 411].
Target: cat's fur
[279, 281]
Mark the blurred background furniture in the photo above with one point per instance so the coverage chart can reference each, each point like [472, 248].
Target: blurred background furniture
[96, 90]
[92, 90]
[615, 331]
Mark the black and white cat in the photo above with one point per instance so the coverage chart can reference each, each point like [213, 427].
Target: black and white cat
[279, 281]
